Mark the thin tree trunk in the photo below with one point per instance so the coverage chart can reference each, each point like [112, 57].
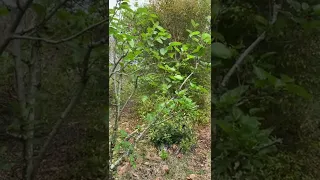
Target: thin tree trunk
[71, 105]
[33, 90]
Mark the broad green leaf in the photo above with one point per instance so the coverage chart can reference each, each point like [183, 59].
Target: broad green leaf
[171, 54]
[168, 68]
[194, 33]
[236, 112]
[232, 96]
[131, 43]
[163, 51]
[298, 90]
[179, 77]
[184, 48]
[260, 73]
[177, 49]
[3, 11]
[250, 121]
[220, 50]
[159, 40]
[206, 37]
[126, 6]
[175, 44]
[189, 56]
[197, 49]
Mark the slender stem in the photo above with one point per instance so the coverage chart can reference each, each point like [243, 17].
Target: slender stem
[62, 40]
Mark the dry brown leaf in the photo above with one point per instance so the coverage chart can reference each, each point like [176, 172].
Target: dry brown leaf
[165, 169]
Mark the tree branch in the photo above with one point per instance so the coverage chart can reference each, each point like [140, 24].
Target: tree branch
[14, 26]
[70, 106]
[62, 40]
[225, 80]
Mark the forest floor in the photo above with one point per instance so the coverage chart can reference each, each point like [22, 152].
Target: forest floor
[66, 157]
[61, 158]
[193, 165]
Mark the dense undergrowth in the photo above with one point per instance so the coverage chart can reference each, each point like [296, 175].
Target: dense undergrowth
[166, 74]
[267, 125]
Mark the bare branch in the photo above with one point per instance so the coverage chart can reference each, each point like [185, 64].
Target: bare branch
[116, 64]
[62, 40]
[226, 78]
[70, 106]
[187, 77]
[241, 58]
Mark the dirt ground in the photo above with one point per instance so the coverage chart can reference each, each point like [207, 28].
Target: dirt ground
[149, 166]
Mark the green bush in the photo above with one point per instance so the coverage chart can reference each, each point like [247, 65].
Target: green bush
[176, 123]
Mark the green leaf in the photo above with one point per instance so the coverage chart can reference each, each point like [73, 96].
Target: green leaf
[131, 43]
[236, 112]
[175, 43]
[206, 37]
[197, 49]
[179, 77]
[163, 51]
[220, 50]
[232, 96]
[3, 11]
[250, 121]
[171, 54]
[194, 24]
[305, 6]
[123, 133]
[189, 56]
[260, 73]
[298, 90]
[194, 33]
[184, 48]
[159, 40]
[144, 98]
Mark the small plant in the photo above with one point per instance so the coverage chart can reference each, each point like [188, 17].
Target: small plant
[163, 154]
